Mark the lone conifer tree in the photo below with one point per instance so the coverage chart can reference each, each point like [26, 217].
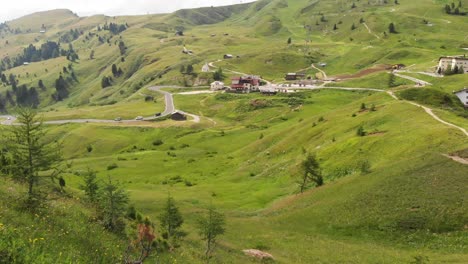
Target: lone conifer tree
[171, 220]
[391, 28]
[311, 172]
[33, 157]
[210, 227]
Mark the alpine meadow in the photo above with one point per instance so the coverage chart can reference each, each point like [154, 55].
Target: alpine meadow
[276, 131]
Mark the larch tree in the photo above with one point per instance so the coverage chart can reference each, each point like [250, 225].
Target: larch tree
[33, 157]
[310, 172]
[210, 227]
[171, 220]
[112, 202]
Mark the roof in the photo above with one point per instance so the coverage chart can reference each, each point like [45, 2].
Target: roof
[454, 57]
[462, 90]
[217, 82]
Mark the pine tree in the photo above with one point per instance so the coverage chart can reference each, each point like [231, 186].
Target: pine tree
[218, 75]
[448, 10]
[41, 85]
[90, 186]
[113, 202]
[391, 28]
[310, 172]
[171, 220]
[34, 157]
[114, 70]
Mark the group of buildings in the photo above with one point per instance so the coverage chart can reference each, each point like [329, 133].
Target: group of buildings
[241, 84]
[251, 83]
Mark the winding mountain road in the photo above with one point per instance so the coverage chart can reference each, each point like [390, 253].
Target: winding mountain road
[169, 109]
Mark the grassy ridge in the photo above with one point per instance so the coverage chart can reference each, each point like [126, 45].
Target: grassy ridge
[390, 196]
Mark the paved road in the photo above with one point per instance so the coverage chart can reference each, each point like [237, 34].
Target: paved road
[170, 109]
[7, 119]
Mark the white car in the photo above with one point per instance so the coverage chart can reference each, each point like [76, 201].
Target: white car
[139, 118]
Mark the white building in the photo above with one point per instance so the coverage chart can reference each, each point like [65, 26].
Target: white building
[217, 85]
[451, 62]
[206, 68]
[463, 96]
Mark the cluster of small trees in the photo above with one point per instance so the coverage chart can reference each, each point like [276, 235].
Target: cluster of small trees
[453, 9]
[48, 50]
[62, 84]
[19, 95]
[117, 72]
[70, 36]
[112, 207]
[114, 28]
[452, 71]
[106, 81]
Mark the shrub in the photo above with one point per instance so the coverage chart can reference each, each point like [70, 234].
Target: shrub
[188, 183]
[158, 142]
[112, 166]
[360, 131]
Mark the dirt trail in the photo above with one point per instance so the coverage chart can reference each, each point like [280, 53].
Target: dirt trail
[320, 70]
[457, 159]
[429, 111]
[416, 80]
[370, 31]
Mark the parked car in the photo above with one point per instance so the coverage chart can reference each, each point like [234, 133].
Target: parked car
[157, 114]
[139, 118]
[118, 119]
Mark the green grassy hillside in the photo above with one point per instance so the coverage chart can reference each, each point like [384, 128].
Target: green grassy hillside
[390, 196]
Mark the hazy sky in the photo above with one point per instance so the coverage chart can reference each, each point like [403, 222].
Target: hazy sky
[11, 9]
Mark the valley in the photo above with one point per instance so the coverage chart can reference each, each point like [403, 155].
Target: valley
[129, 99]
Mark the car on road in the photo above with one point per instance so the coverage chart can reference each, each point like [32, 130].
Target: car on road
[157, 114]
[8, 118]
[139, 118]
[118, 119]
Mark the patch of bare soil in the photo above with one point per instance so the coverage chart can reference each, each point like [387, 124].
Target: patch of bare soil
[376, 133]
[258, 254]
[374, 69]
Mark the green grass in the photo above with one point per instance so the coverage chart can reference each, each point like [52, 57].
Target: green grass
[244, 156]
[375, 80]
[251, 179]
